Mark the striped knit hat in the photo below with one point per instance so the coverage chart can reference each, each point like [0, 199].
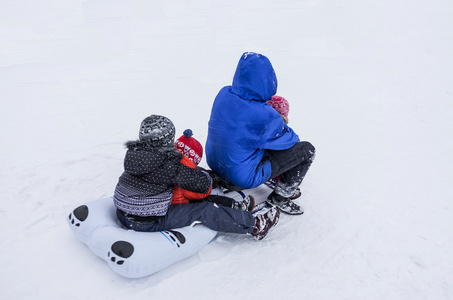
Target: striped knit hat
[189, 147]
[157, 131]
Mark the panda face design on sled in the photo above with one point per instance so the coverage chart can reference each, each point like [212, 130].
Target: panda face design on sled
[130, 253]
[78, 215]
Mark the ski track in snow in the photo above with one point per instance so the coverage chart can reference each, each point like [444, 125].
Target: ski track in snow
[369, 84]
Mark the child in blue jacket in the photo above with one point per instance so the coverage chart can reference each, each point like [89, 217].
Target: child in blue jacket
[248, 142]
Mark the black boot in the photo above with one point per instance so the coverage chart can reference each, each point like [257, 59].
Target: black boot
[286, 205]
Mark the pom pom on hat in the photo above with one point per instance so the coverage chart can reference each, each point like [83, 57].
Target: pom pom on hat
[280, 104]
[187, 133]
[189, 147]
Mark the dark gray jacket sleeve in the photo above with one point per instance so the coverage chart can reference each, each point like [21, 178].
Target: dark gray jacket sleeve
[193, 180]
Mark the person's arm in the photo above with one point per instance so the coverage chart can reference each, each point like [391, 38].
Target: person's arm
[193, 180]
[278, 136]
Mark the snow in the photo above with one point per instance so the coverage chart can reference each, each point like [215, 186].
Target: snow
[369, 84]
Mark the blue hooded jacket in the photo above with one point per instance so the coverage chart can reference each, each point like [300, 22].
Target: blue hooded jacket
[243, 125]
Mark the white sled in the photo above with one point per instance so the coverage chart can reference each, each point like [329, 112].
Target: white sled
[130, 253]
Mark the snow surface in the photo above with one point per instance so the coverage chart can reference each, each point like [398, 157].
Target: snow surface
[369, 83]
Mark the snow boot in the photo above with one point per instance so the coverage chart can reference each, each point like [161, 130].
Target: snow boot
[265, 219]
[246, 204]
[296, 194]
[286, 205]
[271, 183]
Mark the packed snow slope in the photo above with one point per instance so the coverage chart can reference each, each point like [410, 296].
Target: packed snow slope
[370, 85]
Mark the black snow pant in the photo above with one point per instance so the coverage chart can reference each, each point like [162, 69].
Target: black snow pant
[222, 200]
[291, 165]
[213, 216]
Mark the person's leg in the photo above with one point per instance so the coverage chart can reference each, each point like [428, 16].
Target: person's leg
[291, 165]
[222, 200]
[136, 223]
[302, 153]
[246, 204]
[216, 217]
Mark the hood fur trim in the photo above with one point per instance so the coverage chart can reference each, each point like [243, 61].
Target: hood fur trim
[138, 144]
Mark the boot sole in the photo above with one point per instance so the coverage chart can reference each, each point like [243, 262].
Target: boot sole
[290, 212]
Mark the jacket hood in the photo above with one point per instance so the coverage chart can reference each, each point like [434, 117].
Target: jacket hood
[255, 78]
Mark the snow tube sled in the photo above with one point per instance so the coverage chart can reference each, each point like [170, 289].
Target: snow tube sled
[130, 253]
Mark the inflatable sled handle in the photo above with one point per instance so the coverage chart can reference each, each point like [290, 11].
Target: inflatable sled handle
[195, 223]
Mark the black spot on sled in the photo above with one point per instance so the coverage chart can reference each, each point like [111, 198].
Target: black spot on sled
[121, 250]
[79, 214]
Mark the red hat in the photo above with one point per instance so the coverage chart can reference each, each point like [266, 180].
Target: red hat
[280, 105]
[189, 147]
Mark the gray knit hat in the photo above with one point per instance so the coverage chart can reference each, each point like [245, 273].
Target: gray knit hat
[157, 131]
